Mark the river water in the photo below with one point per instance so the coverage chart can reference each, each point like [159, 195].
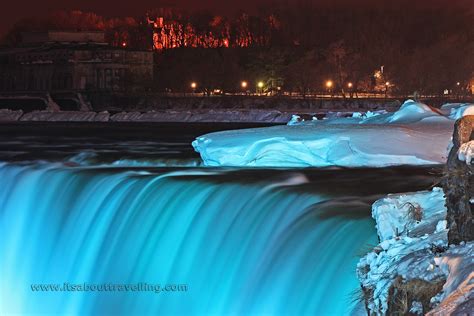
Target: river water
[129, 204]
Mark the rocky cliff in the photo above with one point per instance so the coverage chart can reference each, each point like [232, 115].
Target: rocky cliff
[458, 183]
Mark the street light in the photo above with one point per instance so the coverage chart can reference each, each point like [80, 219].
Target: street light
[193, 85]
[244, 84]
[349, 85]
[387, 85]
[329, 84]
[260, 87]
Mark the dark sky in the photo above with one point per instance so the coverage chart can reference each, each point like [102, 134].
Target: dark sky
[14, 10]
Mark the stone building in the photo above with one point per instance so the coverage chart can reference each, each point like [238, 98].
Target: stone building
[56, 62]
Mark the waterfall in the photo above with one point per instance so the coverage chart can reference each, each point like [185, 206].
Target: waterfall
[241, 247]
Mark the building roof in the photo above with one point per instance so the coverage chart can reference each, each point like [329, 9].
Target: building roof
[76, 46]
[39, 38]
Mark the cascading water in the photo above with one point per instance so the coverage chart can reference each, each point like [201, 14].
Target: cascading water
[242, 248]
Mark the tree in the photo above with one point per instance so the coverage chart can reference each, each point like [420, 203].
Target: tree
[304, 73]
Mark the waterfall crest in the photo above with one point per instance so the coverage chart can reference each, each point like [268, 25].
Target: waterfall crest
[242, 248]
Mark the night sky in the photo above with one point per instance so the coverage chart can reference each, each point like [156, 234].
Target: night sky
[15, 10]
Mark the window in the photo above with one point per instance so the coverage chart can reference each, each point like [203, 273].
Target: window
[99, 79]
[108, 79]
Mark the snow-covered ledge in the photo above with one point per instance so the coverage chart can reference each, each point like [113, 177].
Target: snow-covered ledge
[412, 270]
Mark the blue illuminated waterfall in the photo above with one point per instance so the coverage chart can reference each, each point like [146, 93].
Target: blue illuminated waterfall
[242, 248]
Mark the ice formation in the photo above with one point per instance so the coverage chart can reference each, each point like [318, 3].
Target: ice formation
[409, 214]
[416, 134]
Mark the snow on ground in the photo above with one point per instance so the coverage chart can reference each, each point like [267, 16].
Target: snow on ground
[416, 134]
[414, 246]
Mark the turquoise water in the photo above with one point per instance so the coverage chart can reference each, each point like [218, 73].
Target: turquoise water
[259, 246]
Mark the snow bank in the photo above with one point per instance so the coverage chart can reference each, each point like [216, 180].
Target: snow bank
[415, 135]
[69, 116]
[204, 116]
[414, 248]
[411, 112]
[251, 116]
[457, 110]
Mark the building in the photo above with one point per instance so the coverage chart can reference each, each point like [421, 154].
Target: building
[56, 62]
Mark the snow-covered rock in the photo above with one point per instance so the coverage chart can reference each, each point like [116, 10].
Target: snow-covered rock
[409, 214]
[415, 135]
[10, 115]
[416, 258]
[102, 117]
[457, 296]
[408, 254]
[466, 152]
[295, 119]
[368, 114]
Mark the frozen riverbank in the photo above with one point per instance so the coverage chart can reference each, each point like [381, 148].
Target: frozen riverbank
[222, 116]
[416, 134]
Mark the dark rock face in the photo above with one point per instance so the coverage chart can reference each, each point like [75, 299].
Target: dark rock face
[403, 294]
[458, 186]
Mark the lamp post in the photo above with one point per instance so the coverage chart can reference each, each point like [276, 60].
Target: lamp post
[260, 87]
[329, 85]
[350, 85]
[244, 85]
[387, 85]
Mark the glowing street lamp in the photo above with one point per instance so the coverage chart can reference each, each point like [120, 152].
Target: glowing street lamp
[260, 85]
[329, 84]
[350, 85]
[387, 85]
[193, 85]
[244, 84]
[124, 44]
